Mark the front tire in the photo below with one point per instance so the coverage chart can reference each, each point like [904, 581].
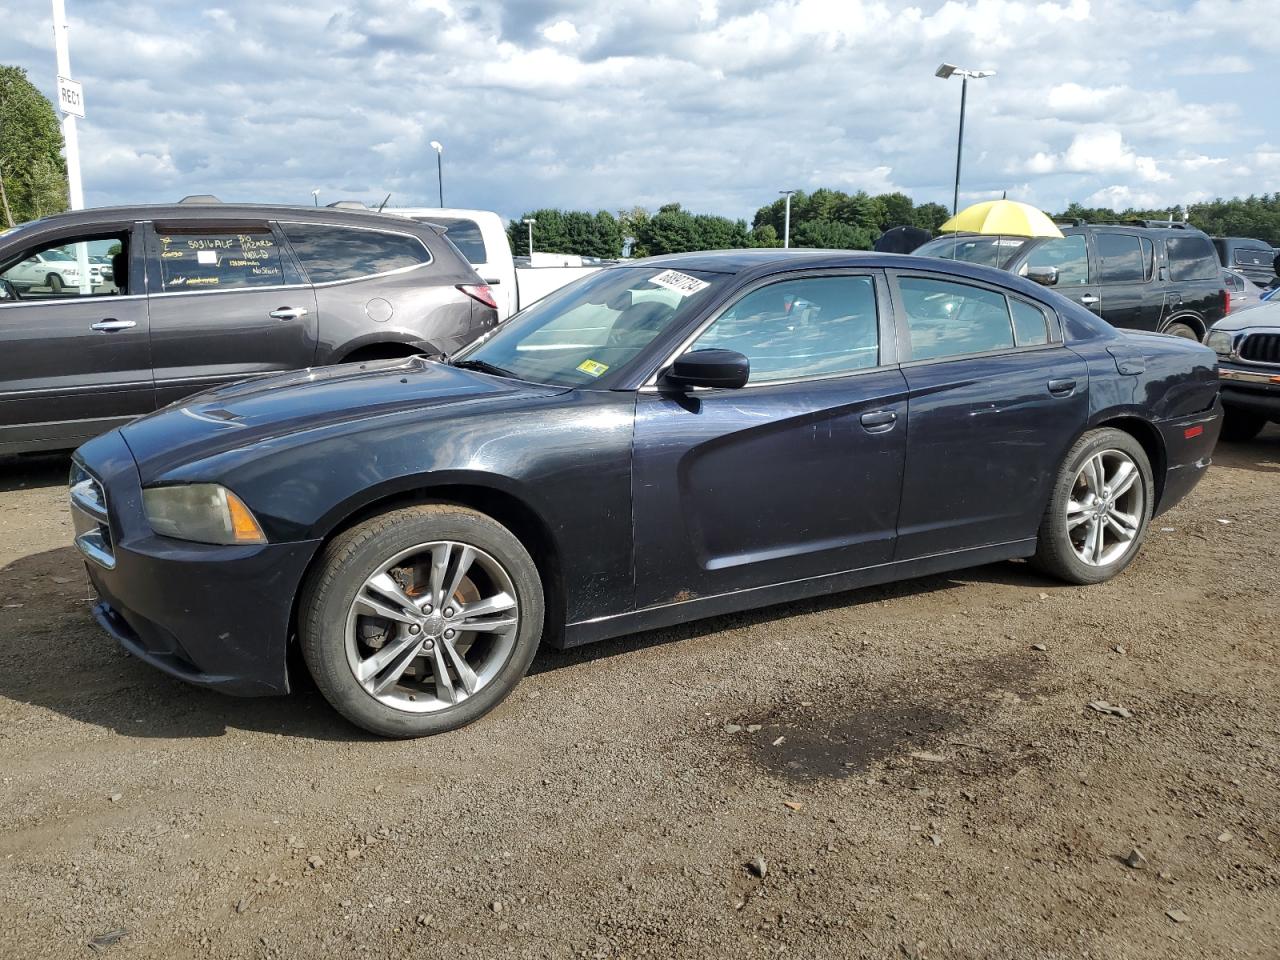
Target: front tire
[1099, 510]
[421, 620]
[55, 284]
[1241, 426]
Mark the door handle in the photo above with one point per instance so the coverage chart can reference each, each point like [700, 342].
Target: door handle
[1088, 299]
[879, 421]
[288, 313]
[112, 326]
[1062, 386]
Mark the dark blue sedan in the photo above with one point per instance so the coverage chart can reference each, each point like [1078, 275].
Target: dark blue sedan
[664, 440]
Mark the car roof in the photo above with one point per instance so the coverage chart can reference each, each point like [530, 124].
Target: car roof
[225, 211]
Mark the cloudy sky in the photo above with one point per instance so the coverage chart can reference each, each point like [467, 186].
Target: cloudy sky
[714, 103]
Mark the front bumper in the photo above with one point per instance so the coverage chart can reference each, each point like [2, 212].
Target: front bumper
[1188, 448]
[217, 616]
[1253, 389]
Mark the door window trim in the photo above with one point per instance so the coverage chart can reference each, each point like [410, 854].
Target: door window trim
[904, 327]
[887, 345]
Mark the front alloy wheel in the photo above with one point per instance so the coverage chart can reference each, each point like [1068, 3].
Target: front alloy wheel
[432, 626]
[420, 620]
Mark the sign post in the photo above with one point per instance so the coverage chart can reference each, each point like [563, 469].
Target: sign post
[71, 103]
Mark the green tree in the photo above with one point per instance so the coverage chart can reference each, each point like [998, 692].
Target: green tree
[831, 235]
[567, 231]
[930, 216]
[33, 174]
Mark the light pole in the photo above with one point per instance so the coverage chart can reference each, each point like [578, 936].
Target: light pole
[70, 136]
[530, 221]
[315, 197]
[786, 222]
[946, 72]
[438, 147]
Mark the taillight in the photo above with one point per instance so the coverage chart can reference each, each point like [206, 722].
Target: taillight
[1226, 303]
[479, 292]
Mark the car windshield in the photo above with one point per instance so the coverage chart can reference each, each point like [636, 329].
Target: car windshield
[988, 251]
[600, 323]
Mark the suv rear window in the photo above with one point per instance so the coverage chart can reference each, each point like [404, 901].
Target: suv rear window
[463, 234]
[218, 260]
[1255, 256]
[1192, 258]
[330, 253]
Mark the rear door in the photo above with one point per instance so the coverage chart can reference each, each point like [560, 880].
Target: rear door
[995, 401]
[1131, 296]
[226, 302]
[1077, 276]
[73, 363]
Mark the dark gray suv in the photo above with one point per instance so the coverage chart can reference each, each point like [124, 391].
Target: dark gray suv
[111, 313]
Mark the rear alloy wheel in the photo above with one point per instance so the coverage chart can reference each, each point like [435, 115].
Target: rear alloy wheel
[1099, 510]
[1241, 426]
[421, 620]
[54, 282]
[1181, 330]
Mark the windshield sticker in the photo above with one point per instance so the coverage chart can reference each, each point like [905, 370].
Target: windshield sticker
[681, 283]
[593, 367]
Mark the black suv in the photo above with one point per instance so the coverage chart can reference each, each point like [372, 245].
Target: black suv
[199, 295]
[1140, 276]
[1255, 259]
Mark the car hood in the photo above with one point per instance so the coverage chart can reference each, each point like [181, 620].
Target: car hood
[1262, 313]
[262, 410]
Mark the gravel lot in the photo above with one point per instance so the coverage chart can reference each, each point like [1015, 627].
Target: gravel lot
[915, 767]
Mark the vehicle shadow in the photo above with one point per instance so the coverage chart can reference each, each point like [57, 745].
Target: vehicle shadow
[80, 672]
[1260, 455]
[27, 471]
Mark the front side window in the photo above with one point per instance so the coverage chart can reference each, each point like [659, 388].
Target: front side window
[807, 327]
[330, 253]
[1070, 255]
[70, 268]
[988, 251]
[1119, 258]
[208, 259]
[1192, 258]
[463, 234]
[583, 331]
[949, 319]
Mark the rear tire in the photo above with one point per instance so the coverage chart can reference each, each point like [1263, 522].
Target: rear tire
[1182, 330]
[1241, 426]
[54, 282]
[405, 677]
[1117, 497]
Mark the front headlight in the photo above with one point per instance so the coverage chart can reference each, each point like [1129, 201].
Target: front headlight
[203, 512]
[1219, 341]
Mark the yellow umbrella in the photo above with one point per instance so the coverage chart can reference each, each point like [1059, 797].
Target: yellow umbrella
[1004, 217]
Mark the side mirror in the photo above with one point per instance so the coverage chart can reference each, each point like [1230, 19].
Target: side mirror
[709, 368]
[1045, 276]
[8, 292]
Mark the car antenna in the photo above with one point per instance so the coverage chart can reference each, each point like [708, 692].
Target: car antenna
[384, 202]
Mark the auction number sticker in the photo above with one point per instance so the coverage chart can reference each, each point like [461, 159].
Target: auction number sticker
[593, 367]
[681, 283]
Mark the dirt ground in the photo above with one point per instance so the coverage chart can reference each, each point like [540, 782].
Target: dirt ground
[915, 766]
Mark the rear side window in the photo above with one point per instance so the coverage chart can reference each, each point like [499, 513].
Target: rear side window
[1148, 259]
[1030, 324]
[1119, 258]
[330, 253]
[1192, 258]
[954, 319]
[218, 260]
[463, 234]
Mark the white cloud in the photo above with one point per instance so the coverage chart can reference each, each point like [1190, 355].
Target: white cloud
[562, 31]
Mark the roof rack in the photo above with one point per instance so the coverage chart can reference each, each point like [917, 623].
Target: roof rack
[348, 205]
[200, 198]
[1140, 222]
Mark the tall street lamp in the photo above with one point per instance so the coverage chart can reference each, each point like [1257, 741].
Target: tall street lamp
[315, 197]
[946, 72]
[529, 222]
[438, 147]
[786, 222]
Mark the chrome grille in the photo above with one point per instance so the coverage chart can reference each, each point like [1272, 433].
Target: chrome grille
[1260, 348]
[90, 517]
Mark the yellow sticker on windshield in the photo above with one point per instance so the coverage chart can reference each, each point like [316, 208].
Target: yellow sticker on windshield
[593, 367]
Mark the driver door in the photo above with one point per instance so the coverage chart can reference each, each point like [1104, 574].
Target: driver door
[795, 475]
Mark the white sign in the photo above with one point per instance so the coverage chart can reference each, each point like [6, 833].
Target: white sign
[681, 283]
[71, 97]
